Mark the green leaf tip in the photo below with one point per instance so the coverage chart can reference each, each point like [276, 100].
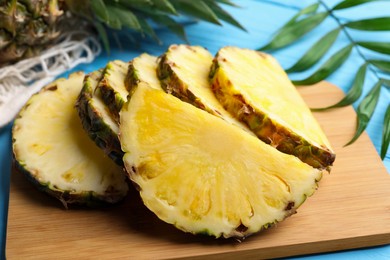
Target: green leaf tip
[354, 92]
[327, 69]
[372, 24]
[365, 110]
[386, 133]
[294, 31]
[316, 52]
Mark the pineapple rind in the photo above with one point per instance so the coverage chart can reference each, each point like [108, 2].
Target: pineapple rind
[112, 86]
[52, 150]
[264, 117]
[142, 69]
[183, 71]
[194, 172]
[97, 120]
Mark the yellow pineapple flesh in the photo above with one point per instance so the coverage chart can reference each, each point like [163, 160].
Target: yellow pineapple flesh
[183, 71]
[204, 175]
[142, 69]
[51, 148]
[254, 88]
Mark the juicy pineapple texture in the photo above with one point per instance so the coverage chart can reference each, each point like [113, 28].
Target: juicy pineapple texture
[52, 149]
[204, 175]
[142, 69]
[112, 86]
[254, 88]
[183, 71]
[96, 118]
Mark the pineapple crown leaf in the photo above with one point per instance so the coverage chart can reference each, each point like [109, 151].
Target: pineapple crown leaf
[308, 19]
[137, 14]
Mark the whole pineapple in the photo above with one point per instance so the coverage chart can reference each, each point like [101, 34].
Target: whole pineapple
[29, 26]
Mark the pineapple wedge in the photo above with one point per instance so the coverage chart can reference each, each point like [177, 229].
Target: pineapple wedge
[112, 86]
[204, 175]
[183, 71]
[142, 69]
[97, 120]
[254, 88]
[52, 149]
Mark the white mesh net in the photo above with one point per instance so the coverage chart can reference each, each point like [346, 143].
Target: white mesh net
[21, 80]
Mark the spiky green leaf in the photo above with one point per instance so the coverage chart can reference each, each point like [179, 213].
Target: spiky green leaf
[171, 24]
[197, 9]
[330, 66]
[307, 10]
[350, 3]
[99, 9]
[103, 35]
[381, 64]
[386, 133]
[165, 6]
[365, 110]
[381, 47]
[125, 17]
[316, 52]
[354, 92]
[113, 21]
[372, 24]
[225, 16]
[225, 2]
[292, 32]
[146, 28]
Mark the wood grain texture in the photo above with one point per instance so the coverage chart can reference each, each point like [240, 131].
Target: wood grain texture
[351, 209]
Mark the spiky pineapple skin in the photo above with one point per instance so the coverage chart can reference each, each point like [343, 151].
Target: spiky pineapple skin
[266, 128]
[28, 27]
[66, 197]
[93, 120]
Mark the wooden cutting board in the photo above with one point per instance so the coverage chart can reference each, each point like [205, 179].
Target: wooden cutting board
[351, 209]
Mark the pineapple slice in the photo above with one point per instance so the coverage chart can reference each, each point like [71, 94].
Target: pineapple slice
[204, 175]
[254, 88]
[142, 69]
[97, 120]
[52, 149]
[112, 86]
[183, 71]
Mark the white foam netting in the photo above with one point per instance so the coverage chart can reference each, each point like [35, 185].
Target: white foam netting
[21, 80]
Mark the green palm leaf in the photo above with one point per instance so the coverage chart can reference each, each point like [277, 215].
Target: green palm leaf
[365, 110]
[354, 93]
[386, 133]
[330, 66]
[316, 52]
[307, 10]
[292, 32]
[373, 24]
[381, 47]
[350, 3]
[381, 64]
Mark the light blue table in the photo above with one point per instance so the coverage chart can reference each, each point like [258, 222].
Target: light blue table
[261, 19]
